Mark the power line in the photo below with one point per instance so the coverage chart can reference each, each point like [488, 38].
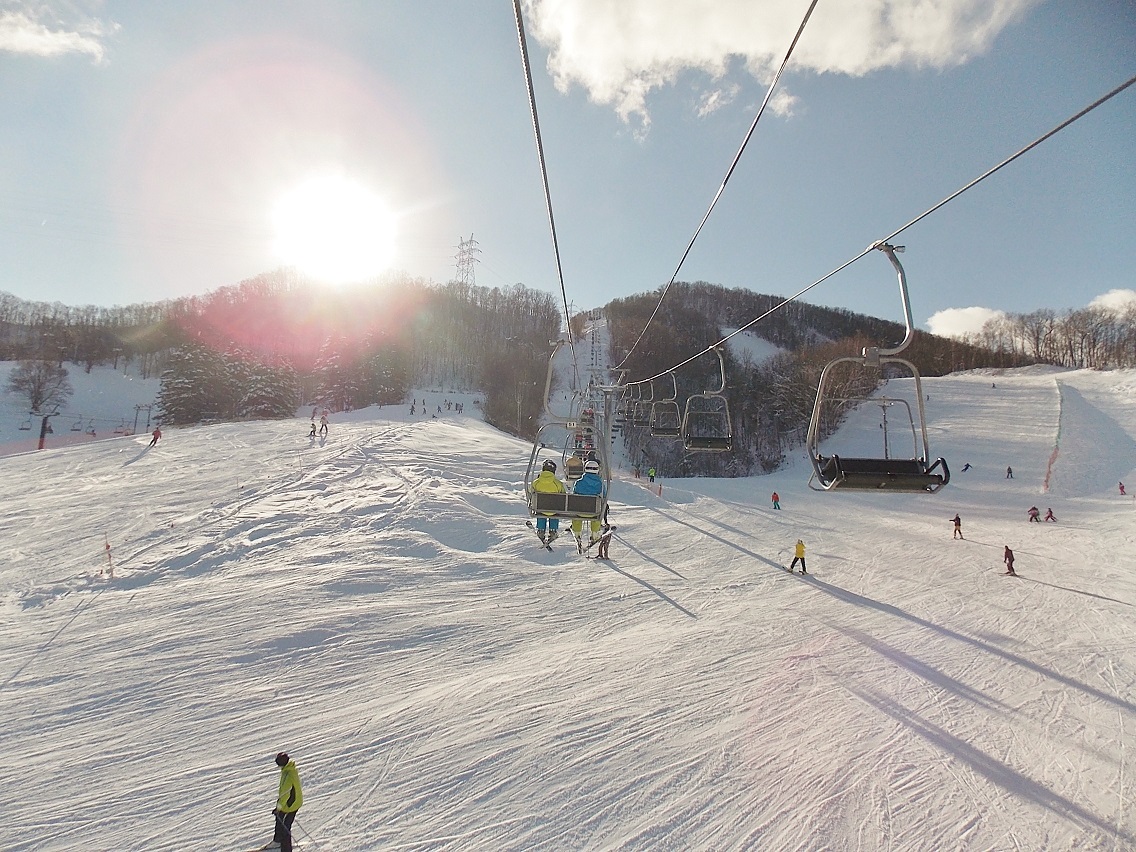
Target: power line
[544, 178]
[725, 180]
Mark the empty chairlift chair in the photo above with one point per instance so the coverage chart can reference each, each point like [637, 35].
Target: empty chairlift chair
[706, 425]
[666, 416]
[914, 473]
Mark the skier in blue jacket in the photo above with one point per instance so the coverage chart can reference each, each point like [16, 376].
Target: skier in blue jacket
[591, 484]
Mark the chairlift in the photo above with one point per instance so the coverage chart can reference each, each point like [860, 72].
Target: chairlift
[26, 425]
[875, 474]
[557, 435]
[641, 414]
[666, 416]
[77, 426]
[706, 425]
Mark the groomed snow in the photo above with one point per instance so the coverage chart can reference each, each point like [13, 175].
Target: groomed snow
[374, 605]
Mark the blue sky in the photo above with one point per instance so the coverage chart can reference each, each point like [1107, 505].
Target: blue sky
[143, 146]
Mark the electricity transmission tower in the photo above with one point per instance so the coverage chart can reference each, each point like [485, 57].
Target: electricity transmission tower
[466, 258]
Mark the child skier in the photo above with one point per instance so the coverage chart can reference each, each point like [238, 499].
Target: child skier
[1034, 514]
[958, 527]
[1049, 516]
[1008, 558]
[798, 556]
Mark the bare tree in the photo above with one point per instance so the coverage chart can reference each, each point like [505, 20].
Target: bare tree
[43, 383]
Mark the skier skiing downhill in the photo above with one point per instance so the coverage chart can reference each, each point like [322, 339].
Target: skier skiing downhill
[957, 520]
[547, 483]
[288, 801]
[798, 556]
[1008, 558]
[589, 484]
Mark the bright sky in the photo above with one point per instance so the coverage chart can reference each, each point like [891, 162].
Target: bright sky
[145, 147]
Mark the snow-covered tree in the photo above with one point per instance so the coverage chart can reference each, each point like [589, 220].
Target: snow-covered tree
[43, 383]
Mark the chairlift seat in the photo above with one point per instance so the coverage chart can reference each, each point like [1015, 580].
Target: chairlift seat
[866, 474]
[708, 443]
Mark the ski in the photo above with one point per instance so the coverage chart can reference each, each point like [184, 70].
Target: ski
[606, 535]
[546, 544]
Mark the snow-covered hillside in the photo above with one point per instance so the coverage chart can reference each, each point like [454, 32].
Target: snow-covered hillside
[373, 604]
[106, 403]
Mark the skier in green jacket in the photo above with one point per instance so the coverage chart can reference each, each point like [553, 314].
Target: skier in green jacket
[288, 801]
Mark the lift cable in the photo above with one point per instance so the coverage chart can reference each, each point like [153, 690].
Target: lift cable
[900, 230]
[722, 188]
[544, 177]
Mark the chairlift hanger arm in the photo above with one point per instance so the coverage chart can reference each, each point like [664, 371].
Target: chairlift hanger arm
[909, 332]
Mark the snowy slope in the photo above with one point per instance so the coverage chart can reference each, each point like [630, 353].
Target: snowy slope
[373, 604]
[106, 401]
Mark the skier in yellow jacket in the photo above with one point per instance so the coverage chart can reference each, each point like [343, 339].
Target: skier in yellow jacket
[799, 556]
[288, 801]
[547, 483]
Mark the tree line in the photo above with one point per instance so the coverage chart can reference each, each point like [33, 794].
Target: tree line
[1095, 338]
[262, 347]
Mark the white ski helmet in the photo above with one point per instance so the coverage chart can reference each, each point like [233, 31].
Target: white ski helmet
[592, 467]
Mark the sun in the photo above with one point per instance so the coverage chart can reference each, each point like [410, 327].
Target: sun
[334, 229]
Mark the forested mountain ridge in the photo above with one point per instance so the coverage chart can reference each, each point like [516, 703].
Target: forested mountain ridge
[770, 402]
[264, 346]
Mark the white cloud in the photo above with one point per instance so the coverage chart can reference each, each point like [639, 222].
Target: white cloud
[620, 52]
[1115, 300]
[21, 31]
[958, 322]
[714, 100]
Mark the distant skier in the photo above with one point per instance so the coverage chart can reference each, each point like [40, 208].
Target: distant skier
[1008, 558]
[288, 801]
[798, 556]
[157, 433]
[1009, 472]
[547, 482]
[1122, 494]
[776, 500]
[591, 485]
[1034, 514]
[312, 434]
[651, 475]
[323, 423]
[1049, 516]
[958, 527]
[966, 467]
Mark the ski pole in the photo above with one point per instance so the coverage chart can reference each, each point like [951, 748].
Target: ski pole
[308, 836]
